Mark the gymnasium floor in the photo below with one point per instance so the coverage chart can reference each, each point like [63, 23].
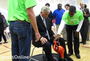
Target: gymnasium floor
[5, 51]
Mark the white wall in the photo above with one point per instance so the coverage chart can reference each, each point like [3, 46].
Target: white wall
[3, 7]
[3, 4]
[53, 4]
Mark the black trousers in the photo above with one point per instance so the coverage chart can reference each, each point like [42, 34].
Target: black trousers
[70, 30]
[83, 32]
[47, 47]
[2, 35]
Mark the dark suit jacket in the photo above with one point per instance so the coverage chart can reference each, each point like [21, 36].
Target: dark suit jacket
[42, 28]
[86, 21]
[51, 16]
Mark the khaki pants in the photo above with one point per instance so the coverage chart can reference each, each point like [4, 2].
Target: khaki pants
[63, 33]
[57, 26]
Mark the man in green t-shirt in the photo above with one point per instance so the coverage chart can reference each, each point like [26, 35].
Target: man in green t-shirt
[73, 20]
[21, 17]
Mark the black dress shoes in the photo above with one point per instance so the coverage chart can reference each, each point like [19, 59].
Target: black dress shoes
[78, 56]
[69, 54]
[83, 42]
[6, 42]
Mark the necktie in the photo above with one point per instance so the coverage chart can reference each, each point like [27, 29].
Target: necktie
[46, 29]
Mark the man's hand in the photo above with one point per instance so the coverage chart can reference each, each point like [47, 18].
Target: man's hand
[37, 36]
[54, 35]
[43, 40]
[57, 37]
[76, 33]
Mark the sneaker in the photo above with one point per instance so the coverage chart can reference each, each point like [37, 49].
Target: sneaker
[81, 42]
[0, 42]
[6, 42]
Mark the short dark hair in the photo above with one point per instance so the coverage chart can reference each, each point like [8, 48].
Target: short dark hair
[72, 9]
[85, 6]
[59, 4]
[67, 5]
[47, 4]
[0, 14]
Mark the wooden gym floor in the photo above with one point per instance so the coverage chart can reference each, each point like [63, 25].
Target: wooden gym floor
[5, 52]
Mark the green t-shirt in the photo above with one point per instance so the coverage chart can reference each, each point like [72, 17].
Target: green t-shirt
[7, 22]
[17, 9]
[89, 19]
[74, 20]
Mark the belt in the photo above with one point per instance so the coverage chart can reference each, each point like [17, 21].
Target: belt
[22, 21]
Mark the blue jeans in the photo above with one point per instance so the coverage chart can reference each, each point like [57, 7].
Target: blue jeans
[21, 35]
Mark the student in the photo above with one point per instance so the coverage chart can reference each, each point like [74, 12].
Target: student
[73, 20]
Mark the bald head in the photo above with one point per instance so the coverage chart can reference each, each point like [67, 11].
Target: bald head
[82, 5]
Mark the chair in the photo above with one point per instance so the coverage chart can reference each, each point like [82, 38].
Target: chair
[33, 51]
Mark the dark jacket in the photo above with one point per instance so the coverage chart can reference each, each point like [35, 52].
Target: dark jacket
[5, 23]
[51, 17]
[86, 21]
[42, 28]
[1, 23]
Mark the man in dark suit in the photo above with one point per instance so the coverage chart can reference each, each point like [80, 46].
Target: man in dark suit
[47, 35]
[85, 26]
